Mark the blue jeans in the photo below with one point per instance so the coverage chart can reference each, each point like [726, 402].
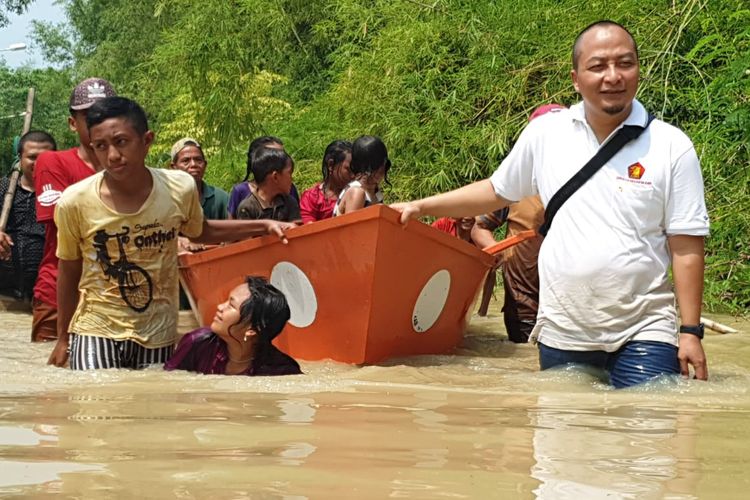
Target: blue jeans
[634, 363]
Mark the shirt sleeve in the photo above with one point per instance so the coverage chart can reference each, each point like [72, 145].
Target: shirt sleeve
[685, 211]
[180, 359]
[494, 220]
[445, 224]
[49, 182]
[192, 226]
[514, 178]
[245, 210]
[68, 231]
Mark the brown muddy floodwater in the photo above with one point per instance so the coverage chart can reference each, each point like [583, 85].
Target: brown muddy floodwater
[482, 424]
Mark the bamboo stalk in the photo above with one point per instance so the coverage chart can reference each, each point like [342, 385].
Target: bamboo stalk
[717, 327]
[16, 173]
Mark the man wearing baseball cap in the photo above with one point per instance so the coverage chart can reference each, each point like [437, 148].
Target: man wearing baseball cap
[55, 171]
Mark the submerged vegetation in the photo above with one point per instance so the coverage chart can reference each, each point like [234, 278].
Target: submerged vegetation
[448, 84]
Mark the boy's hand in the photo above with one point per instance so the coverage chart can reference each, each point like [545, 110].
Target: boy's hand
[279, 228]
[59, 356]
[185, 246]
[6, 242]
[409, 210]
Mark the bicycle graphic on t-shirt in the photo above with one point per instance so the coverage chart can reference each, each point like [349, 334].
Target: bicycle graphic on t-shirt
[136, 287]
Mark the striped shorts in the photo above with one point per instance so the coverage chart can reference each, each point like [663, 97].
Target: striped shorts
[90, 353]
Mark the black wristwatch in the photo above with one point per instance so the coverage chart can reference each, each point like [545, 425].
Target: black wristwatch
[696, 330]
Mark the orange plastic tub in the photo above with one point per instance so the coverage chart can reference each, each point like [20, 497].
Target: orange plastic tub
[361, 287]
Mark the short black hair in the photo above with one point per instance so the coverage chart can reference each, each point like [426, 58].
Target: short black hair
[369, 154]
[255, 144]
[267, 160]
[603, 23]
[36, 136]
[117, 107]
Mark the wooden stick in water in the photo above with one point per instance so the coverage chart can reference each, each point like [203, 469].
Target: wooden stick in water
[717, 327]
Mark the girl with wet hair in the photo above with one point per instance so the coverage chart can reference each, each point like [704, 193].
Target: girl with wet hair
[317, 202]
[238, 342]
[370, 165]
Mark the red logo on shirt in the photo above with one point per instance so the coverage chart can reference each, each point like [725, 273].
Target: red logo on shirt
[636, 171]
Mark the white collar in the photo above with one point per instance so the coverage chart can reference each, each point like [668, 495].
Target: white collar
[637, 116]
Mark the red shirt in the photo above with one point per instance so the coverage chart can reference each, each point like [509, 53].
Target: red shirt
[446, 225]
[54, 171]
[314, 205]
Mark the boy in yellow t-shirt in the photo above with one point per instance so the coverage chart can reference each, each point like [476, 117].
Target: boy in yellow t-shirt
[117, 286]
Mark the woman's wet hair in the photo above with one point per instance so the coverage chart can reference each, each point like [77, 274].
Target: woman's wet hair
[117, 107]
[255, 144]
[335, 154]
[267, 160]
[266, 310]
[368, 155]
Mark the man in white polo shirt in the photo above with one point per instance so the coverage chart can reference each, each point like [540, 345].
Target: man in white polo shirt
[605, 297]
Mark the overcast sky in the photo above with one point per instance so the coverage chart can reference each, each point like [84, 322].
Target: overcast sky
[18, 32]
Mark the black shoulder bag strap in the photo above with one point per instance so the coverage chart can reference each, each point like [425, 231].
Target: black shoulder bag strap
[623, 136]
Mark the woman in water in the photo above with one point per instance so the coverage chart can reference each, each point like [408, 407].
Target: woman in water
[238, 342]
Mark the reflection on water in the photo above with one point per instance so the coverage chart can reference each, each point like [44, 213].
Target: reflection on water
[483, 424]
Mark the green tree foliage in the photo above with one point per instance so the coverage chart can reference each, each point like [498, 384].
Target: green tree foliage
[12, 7]
[52, 87]
[448, 84]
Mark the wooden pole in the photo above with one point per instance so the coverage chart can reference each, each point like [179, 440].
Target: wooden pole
[16, 171]
[716, 326]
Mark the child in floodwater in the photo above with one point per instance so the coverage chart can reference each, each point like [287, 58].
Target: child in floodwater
[238, 342]
[370, 165]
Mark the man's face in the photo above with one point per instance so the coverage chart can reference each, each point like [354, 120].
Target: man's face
[463, 227]
[190, 159]
[119, 148]
[77, 123]
[29, 155]
[607, 72]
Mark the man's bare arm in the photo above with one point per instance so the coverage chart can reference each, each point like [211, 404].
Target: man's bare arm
[482, 237]
[687, 271]
[467, 201]
[220, 231]
[68, 278]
